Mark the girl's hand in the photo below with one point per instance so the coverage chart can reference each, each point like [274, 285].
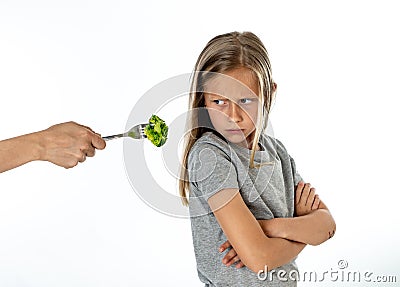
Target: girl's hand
[306, 199]
[231, 256]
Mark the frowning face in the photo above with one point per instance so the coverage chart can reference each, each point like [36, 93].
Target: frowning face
[232, 103]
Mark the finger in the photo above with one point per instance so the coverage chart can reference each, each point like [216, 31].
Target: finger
[316, 202]
[299, 190]
[79, 155]
[96, 139]
[224, 246]
[233, 260]
[82, 157]
[304, 194]
[229, 256]
[69, 162]
[86, 127]
[310, 197]
[98, 142]
[240, 264]
[91, 151]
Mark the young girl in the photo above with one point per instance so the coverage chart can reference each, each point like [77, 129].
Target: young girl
[249, 207]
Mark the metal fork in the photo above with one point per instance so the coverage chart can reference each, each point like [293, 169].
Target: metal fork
[136, 132]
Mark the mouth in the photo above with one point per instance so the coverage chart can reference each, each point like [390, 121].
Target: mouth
[235, 131]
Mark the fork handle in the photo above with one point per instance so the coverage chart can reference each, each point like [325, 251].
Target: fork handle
[107, 138]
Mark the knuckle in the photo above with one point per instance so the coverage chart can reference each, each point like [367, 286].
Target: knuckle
[85, 146]
[88, 134]
[84, 133]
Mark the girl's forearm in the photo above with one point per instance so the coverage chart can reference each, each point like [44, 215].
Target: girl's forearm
[278, 252]
[313, 228]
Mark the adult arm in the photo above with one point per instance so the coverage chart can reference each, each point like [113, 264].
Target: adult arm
[64, 144]
[255, 249]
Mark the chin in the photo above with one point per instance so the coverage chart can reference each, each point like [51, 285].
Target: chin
[236, 139]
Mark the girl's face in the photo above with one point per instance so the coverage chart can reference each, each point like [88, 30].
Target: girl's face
[232, 104]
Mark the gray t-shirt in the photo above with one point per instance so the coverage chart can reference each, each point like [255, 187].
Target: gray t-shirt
[268, 191]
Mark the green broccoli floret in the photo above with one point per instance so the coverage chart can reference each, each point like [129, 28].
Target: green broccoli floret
[156, 131]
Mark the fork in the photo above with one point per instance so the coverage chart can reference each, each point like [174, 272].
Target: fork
[136, 132]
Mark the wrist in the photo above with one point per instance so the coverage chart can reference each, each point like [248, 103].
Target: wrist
[274, 227]
[37, 145]
[277, 228]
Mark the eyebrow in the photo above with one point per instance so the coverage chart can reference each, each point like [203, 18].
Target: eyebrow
[248, 96]
[215, 95]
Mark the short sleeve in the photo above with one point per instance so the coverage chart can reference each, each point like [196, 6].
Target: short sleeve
[287, 158]
[296, 176]
[211, 170]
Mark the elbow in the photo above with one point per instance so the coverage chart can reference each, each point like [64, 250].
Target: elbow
[263, 261]
[262, 267]
[258, 266]
[332, 231]
[331, 227]
[327, 231]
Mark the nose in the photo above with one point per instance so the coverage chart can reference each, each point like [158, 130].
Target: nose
[234, 113]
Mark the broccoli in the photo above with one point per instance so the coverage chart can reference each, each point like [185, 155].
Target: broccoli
[156, 131]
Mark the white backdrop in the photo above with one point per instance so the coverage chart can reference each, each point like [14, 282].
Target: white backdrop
[336, 65]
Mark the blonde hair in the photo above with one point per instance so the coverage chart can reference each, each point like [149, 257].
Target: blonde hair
[221, 54]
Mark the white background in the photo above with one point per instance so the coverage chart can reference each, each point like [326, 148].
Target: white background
[336, 65]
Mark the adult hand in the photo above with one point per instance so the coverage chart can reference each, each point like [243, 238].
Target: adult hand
[69, 143]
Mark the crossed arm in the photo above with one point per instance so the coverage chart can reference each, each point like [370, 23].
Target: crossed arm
[272, 242]
[312, 225]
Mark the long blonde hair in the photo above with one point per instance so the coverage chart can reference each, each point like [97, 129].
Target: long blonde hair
[221, 54]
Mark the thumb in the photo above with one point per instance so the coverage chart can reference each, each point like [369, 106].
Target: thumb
[98, 142]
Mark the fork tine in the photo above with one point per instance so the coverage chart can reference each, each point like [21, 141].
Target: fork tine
[142, 133]
[136, 132]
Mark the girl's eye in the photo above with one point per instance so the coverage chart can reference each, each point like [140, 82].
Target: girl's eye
[219, 102]
[246, 101]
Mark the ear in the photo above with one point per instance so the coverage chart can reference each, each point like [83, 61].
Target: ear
[274, 87]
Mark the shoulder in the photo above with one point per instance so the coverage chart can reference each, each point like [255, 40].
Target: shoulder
[275, 143]
[209, 142]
